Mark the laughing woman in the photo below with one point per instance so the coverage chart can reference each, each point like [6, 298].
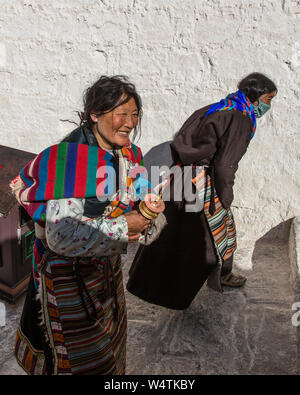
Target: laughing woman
[74, 317]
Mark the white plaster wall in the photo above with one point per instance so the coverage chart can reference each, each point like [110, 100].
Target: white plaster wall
[181, 55]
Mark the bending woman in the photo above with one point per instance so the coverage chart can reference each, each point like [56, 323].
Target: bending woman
[74, 317]
[198, 246]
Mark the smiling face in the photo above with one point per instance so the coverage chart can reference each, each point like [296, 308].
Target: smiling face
[114, 128]
[266, 98]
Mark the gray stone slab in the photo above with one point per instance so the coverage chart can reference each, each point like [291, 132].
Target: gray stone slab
[8, 327]
[294, 253]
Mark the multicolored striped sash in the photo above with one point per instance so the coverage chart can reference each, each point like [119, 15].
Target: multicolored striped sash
[69, 170]
[221, 222]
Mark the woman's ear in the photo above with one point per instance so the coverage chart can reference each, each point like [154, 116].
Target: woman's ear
[94, 117]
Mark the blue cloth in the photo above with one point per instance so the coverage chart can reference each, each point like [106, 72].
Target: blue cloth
[236, 101]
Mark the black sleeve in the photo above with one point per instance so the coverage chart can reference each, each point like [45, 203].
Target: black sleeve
[196, 141]
[232, 146]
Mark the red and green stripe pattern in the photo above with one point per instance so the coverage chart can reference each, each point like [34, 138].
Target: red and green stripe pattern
[68, 170]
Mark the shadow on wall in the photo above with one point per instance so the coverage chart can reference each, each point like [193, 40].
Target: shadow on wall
[280, 232]
[272, 268]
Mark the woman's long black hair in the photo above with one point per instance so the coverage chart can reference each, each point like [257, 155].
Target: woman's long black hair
[255, 85]
[105, 95]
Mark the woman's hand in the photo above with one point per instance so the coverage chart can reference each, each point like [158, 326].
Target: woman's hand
[136, 225]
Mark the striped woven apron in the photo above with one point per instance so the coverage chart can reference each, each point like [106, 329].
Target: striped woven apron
[220, 220]
[83, 317]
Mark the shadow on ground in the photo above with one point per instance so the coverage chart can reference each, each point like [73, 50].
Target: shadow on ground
[241, 331]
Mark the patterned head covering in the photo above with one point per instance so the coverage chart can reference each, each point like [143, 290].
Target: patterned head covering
[236, 101]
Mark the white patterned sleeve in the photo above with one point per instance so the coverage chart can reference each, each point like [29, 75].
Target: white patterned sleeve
[68, 233]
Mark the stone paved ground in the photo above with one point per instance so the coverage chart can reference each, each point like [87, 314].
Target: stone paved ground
[242, 331]
[8, 364]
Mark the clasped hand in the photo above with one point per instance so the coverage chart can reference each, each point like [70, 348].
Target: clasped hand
[136, 225]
